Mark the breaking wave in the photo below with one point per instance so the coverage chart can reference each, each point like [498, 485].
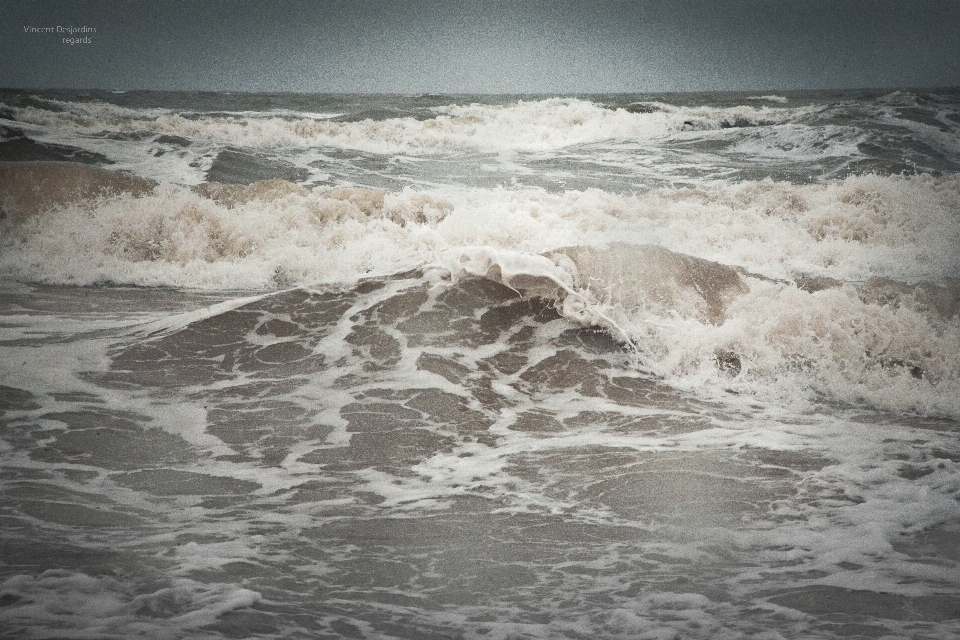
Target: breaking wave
[845, 291]
[522, 125]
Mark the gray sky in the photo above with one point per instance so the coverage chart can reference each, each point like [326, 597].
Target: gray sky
[482, 45]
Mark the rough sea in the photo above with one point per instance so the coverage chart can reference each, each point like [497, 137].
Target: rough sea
[480, 367]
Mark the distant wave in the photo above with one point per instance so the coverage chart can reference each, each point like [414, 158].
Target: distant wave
[548, 124]
[770, 98]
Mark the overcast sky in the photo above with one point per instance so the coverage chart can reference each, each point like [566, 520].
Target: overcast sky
[515, 46]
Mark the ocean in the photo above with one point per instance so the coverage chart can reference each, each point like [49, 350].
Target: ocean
[480, 367]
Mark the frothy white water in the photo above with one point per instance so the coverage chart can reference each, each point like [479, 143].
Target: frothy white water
[904, 228]
[83, 606]
[846, 290]
[770, 98]
[702, 326]
[522, 126]
[661, 424]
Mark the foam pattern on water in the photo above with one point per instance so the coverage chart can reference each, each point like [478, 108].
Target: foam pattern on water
[845, 291]
[415, 456]
[522, 125]
[293, 366]
[613, 142]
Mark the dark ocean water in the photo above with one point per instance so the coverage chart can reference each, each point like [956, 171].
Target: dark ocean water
[647, 366]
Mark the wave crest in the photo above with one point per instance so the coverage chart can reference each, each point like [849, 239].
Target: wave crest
[539, 125]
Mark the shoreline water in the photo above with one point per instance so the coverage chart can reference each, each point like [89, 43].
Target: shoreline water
[422, 367]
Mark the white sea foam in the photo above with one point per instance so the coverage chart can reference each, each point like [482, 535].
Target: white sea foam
[711, 284]
[77, 605]
[797, 143]
[770, 98]
[522, 126]
[904, 228]
[317, 444]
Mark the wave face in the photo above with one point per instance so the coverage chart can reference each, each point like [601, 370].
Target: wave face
[620, 143]
[479, 366]
[832, 220]
[844, 290]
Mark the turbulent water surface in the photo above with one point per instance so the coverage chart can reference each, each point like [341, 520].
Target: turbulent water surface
[294, 366]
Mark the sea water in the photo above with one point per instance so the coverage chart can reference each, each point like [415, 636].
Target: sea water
[608, 366]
